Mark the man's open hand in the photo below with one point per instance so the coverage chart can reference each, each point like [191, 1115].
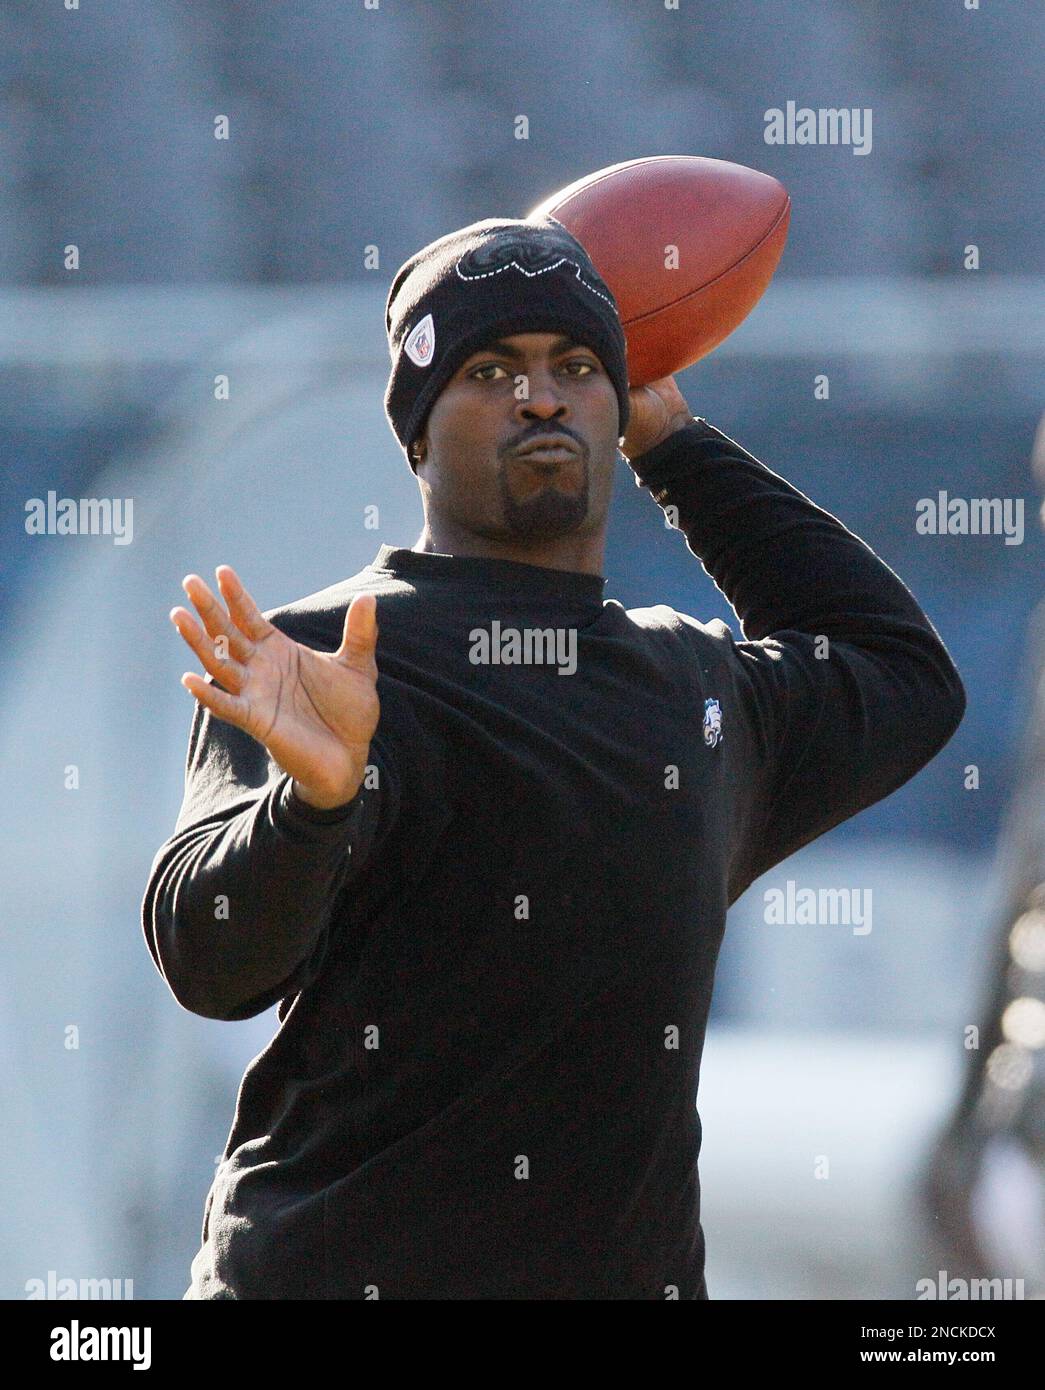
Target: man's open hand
[315, 712]
[657, 410]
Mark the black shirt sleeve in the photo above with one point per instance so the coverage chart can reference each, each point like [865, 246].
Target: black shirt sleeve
[846, 686]
[237, 910]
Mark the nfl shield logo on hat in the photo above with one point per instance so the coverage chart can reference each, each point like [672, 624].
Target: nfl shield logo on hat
[420, 344]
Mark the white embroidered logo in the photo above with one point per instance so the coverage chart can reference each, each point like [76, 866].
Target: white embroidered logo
[712, 723]
[420, 343]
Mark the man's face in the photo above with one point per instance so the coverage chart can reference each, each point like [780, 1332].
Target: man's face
[476, 472]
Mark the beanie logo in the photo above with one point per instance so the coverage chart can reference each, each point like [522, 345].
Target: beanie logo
[420, 344]
[534, 253]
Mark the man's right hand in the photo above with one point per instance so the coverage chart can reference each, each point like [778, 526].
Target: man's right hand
[315, 712]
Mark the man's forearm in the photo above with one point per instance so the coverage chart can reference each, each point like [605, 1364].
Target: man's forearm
[235, 906]
[780, 560]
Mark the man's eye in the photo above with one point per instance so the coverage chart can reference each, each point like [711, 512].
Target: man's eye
[496, 367]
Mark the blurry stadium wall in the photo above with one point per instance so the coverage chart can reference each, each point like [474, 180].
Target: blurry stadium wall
[109, 392]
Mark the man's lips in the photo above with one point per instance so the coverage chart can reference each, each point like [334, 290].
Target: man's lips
[547, 448]
[545, 456]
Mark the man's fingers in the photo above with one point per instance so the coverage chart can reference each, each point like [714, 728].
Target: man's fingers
[225, 669]
[233, 708]
[359, 638]
[215, 619]
[245, 612]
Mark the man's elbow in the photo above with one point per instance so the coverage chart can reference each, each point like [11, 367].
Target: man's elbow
[950, 705]
[194, 991]
[220, 999]
[956, 696]
[199, 991]
[960, 702]
[204, 999]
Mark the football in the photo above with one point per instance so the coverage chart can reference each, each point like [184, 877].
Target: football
[686, 244]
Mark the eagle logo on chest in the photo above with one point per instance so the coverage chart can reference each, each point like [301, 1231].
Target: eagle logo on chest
[712, 723]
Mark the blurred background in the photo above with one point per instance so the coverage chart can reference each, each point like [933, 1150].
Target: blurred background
[141, 258]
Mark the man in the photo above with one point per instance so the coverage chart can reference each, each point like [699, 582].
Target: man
[483, 859]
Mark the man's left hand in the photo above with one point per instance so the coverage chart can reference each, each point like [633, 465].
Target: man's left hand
[657, 410]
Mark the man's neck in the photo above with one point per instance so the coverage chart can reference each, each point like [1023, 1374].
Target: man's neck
[581, 554]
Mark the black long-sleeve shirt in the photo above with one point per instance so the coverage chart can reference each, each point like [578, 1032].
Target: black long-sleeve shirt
[494, 965]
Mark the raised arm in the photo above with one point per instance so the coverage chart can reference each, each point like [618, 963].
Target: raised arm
[288, 795]
[846, 686]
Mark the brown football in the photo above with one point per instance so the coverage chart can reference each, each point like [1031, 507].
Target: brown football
[686, 244]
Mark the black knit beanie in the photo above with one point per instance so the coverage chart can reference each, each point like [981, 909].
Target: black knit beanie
[487, 281]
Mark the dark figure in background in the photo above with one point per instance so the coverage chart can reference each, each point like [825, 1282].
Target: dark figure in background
[998, 1124]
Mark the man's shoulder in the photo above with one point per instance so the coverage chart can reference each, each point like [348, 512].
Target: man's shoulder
[321, 615]
[661, 617]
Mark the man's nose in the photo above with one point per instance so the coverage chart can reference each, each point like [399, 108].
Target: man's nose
[543, 398]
